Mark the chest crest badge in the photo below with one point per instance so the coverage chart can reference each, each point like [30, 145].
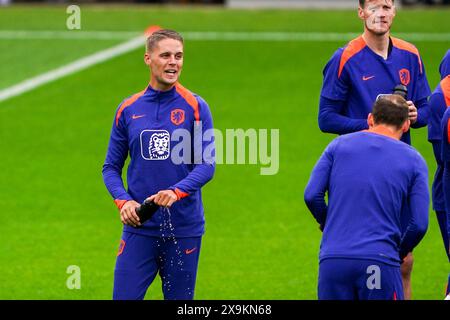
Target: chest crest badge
[177, 116]
[405, 77]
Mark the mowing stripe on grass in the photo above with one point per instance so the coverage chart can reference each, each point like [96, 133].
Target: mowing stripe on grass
[72, 67]
[66, 35]
[138, 41]
[215, 36]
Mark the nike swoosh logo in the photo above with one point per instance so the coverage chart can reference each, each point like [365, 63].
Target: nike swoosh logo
[368, 78]
[189, 251]
[134, 117]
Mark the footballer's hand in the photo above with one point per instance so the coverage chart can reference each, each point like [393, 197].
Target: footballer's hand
[412, 112]
[128, 214]
[164, 198]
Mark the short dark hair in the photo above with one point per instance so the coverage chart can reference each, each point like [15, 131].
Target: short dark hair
[159, 35]
[390, 109]
[363, 2]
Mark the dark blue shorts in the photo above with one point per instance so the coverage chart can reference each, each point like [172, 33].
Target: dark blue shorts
[141, 257]
[355, 279]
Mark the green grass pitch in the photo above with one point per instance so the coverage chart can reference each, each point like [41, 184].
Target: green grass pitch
[261, 242]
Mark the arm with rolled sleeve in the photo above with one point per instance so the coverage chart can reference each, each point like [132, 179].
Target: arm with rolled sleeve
[115, 158]
[419, 200]
[318, 185]
[204, 162]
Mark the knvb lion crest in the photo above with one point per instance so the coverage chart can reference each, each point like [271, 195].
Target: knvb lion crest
[405, 77]
[177, 116]
[158, 147]
[155, 144]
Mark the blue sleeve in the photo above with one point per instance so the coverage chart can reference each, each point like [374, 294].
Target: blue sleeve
[446, 187]
[331, 119]
[437, 150]
[115, 159]
[437, 109]
[318, 185]
[445, 143]
[419, 200]
[445, 156]
[420, 98]
[423, 113]
[335, 86]
[444, 67]
[204, 153]
[333, 100]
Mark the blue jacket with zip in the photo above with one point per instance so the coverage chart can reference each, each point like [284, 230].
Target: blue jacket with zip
[168, 136]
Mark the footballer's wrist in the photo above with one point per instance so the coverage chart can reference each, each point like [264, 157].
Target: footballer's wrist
[179, 193]
[120, 203]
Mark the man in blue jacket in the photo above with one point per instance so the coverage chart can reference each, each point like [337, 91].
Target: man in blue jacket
[373, 64]
[445, 157]
[439, 138]
[146, 125]
[369, 176]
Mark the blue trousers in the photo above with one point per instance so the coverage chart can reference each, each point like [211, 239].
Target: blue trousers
[355, 279]
[141, 257]
[443, 226]
[447, 291]
[442, 220]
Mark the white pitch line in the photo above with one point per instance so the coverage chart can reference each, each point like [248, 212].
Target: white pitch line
[71, 68]
[304, 36]
[66, 35]
[214, 36]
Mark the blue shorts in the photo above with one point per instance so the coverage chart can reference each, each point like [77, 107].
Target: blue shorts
[355, 279]
[141, 257]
